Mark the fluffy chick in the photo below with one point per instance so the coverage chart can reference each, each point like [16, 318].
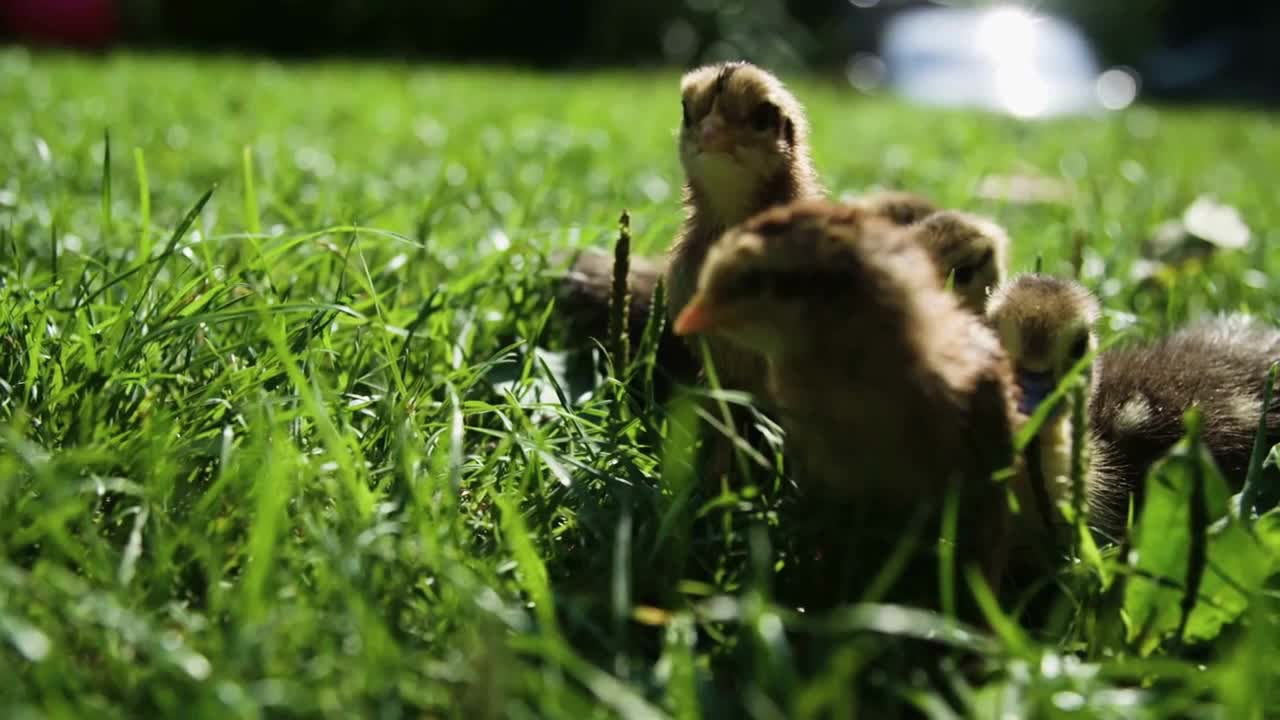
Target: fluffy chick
[1046, 325]
[744, 147]
[1219, 363]
[971, 249]
[1138, 394]
[583, 296]
[890, 392]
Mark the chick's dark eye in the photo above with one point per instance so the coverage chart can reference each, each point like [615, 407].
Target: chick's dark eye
[963, 275]
[1079, 347]
[750, 282]
[765, 117]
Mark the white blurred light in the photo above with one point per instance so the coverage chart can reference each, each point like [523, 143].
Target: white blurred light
[1021, 90]
[1007, 37]
[864, 3]
[1007, 33]
[865, 71]
[1117, 88]
[1005, 58]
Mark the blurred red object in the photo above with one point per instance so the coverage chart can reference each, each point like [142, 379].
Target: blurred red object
[81, 23]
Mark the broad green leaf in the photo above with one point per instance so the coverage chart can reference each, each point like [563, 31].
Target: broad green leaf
[1236, 564]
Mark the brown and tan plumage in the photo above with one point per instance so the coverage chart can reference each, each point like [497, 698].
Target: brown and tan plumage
[973, 250]
[1219, 363]
[1046, 325]
[899, 207]
[890, 392]
[744, 147]
[582, 300]
[1138, 393]
[583, 290]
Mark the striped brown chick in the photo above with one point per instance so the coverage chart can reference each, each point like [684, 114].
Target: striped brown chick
[890, 392]
[1138, 393]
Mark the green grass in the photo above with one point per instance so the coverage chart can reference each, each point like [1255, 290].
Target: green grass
[295, 449]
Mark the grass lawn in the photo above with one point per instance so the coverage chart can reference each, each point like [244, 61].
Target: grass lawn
[288, 450]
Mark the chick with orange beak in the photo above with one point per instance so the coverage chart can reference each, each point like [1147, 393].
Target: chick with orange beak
[882, 379]
[744, 148]
[890, 392]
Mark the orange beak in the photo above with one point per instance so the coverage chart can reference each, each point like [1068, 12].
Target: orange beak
[715, 136]
[697, 317]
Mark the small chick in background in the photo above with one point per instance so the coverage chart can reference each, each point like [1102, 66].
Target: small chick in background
[583, 297]
[1219, 363]
[890, 392]
[1046, 325]
[970, 249]
[744, 147]
[1138, 394]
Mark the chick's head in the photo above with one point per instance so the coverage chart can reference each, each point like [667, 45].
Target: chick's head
[740, 129]
[969, 249]
[794, 273]
[1046, 326]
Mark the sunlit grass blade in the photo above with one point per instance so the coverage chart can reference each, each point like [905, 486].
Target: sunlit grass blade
[107, 219]
[252, 219]
[144, 204]
[1254, 481]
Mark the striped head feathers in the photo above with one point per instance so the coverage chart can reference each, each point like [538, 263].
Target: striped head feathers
[766, 283]
[899, 207]
[971, 249]
[741, 131]
[1046, 326]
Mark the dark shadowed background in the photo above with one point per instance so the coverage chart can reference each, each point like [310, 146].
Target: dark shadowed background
[1182, 49]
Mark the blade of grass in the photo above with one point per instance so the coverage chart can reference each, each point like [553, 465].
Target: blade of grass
[144, 204]
[947, 552]
[1254, 478]
[251, 216]
[106, 183]
[178, 232]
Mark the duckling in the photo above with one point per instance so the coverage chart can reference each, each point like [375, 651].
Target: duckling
[1046, 325]
[1219, 363]
[744, 147]
[584, 290]
[1137, 394]
[973, 250]
[890, 392]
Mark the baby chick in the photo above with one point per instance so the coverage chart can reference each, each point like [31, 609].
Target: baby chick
[1046, 325]
[744, 147]
[971, 249]
[890, 392]
[1138, 394]
[1219, 363]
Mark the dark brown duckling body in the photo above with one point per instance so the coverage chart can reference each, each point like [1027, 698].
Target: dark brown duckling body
[1219, 363]
[583, 290]
[1138, 394]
